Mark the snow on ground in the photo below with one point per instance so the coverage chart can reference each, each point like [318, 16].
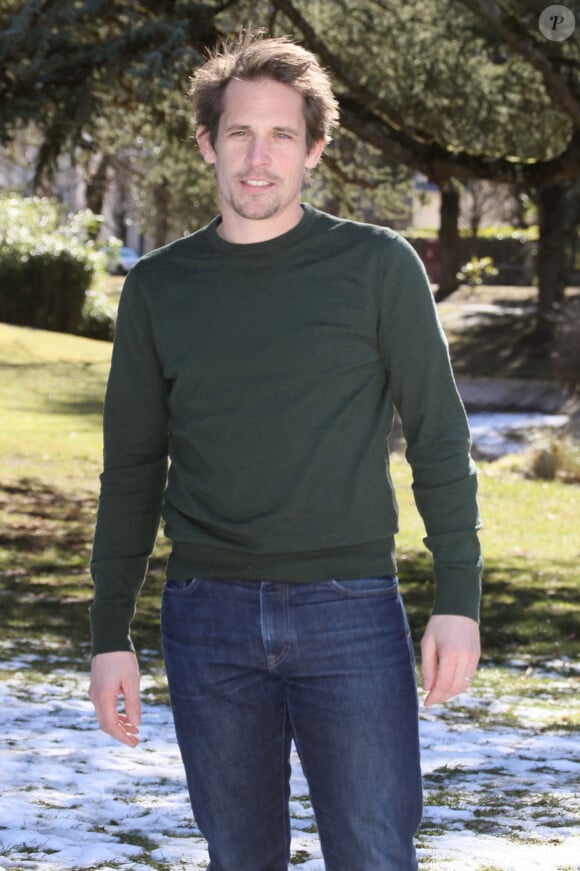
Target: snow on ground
[497, 433]
[502, 796]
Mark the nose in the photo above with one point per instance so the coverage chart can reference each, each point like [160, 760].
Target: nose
[258, 152]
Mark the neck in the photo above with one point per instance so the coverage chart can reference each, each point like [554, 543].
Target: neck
[244, 231]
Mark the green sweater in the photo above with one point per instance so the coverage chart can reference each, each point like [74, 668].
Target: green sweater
[267, 375]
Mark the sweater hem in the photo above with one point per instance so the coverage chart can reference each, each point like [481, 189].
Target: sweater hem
[367, 559]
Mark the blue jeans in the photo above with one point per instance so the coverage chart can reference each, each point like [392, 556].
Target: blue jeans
[252, 666]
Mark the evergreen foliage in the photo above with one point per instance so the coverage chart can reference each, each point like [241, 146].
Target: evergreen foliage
[67, 65]
[455, 89]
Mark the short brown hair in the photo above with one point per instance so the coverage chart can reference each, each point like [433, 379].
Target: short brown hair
[251, 57]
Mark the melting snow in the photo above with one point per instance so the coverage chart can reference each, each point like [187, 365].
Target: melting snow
[71, 799]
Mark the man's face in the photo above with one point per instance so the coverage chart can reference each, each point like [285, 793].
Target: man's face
[259, 157]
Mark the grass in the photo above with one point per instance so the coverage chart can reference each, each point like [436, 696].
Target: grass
[51, 396]
[51, 390]
[530, 591]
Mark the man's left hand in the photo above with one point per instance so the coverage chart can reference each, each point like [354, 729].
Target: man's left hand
[450, 651]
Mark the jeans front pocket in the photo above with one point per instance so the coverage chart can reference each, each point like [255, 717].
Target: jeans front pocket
[180, 588]
[387, 585]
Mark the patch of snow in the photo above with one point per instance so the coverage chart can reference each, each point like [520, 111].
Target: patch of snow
[71, 799]
[467, 851]
[497, 433]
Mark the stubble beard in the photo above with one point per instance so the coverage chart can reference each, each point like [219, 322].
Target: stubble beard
[249, 206]
[258, 209]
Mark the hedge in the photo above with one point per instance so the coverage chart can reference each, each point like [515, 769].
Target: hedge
[45, 266]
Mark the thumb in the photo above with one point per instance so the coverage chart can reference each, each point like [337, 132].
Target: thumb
[428, 661]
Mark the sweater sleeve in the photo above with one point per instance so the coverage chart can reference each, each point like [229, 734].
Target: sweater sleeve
[134, 473]
[416, 357]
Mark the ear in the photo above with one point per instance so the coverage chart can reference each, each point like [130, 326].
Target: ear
[314, 154]
[204, 142]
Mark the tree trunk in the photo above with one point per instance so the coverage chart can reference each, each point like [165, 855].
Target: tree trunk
[448, 240]
[551, 260]
[161, 214]
[97, 183]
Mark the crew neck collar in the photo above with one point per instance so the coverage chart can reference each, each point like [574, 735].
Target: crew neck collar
[253, 249]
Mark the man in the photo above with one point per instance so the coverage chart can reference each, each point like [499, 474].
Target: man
[263, 356]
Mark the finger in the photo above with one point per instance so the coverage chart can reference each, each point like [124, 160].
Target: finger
[124, 732]
[454, 676]
[118, 724]
[126, 723]
[442, 688]
[132, 702]
[121, 729]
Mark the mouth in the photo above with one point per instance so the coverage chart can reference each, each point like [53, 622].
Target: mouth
[256, 183]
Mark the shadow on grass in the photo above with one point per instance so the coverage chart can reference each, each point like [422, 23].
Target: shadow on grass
[503, 345]
[526, 609]
[45, 589]
[45, 586]
[64, 388]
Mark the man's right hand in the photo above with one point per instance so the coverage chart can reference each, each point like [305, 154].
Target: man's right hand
[115, 675]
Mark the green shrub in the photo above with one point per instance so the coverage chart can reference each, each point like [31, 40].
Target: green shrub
[497, 232]
[475, 272]
[46, 266]
[98, 317]
[512, 251]
[555, 458]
